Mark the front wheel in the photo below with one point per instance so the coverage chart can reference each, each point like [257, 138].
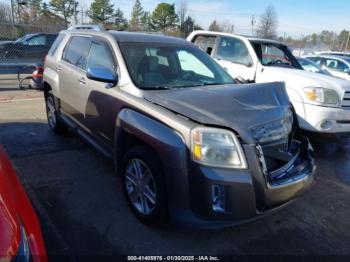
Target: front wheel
[143, 185]
[53, 120]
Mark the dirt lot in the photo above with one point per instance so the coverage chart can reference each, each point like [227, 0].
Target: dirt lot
[83, 213]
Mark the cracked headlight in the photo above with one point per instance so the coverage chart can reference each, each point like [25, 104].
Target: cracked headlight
[275, 130]
[217, 147]
[322, 96]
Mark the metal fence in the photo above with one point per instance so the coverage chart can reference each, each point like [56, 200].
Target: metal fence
[19, 50]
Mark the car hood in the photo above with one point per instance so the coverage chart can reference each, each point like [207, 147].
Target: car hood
[238, 107]
[302, 78]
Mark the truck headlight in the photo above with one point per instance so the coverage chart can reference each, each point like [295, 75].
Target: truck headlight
[322, 96]
[217, 147]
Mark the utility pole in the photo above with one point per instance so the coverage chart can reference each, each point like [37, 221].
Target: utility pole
[347, 42]
[12, 13]
[252, 22]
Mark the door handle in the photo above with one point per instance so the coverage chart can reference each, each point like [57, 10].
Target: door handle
[58, 68]
[82, 80]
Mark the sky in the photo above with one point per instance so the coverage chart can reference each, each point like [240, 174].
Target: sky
[295, 17]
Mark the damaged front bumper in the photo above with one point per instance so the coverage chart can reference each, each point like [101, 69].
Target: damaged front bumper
[223, 197]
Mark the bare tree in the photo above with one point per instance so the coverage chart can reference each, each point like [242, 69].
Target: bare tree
[268, 23]
[227, 27]
[5, 12]
[182, 11]
[215, 26]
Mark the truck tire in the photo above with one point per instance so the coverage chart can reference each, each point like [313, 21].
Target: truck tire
[143, 185]
[53, 119]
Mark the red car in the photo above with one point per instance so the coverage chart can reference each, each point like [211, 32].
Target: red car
[20, 233]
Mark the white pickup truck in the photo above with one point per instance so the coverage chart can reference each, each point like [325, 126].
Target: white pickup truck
[322, 102]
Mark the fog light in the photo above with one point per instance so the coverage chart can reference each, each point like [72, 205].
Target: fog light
[326, 125]
[218, 198]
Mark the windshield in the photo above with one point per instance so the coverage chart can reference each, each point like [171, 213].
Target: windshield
[164, 66]
[271, 54]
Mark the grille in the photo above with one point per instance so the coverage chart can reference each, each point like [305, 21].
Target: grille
[346, 100]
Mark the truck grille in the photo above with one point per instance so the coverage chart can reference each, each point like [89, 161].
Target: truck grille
[346, 100]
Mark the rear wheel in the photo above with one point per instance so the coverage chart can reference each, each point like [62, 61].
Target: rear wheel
[53, 119]
[143, 185]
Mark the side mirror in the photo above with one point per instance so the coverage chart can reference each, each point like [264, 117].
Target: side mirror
[347, 71]
[102, 74]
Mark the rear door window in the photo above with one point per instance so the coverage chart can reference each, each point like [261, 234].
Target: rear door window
[233, 50]
[336, 65]
[206, 43]
[37, 40]
[56, 44]
[77, 50]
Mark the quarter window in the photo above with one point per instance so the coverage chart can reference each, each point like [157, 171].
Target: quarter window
[56, 44]
[100, 56]
[233, 50]
[76, 51]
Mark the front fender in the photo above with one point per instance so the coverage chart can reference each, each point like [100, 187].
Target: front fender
[167, 143]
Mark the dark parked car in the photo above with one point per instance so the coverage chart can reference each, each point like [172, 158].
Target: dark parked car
[29, 47]
[185, 138]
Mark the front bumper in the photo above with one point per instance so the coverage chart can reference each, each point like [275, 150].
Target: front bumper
[325, 119]
[223, 197]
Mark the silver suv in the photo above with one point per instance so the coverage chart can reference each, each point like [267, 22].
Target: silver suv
[188, 141]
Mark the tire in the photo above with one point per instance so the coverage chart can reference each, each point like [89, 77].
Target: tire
[146, 198]
[53, 119]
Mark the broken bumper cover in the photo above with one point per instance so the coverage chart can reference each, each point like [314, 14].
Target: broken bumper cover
[224, 197]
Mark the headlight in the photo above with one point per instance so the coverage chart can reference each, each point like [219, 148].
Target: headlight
[321, 95]
[275, 130]
[217, 147]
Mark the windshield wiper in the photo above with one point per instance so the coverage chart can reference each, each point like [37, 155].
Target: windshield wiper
[157, 87]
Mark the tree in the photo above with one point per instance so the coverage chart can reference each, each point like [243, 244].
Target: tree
[120, 21]
[314, 39]
[146, 21]
[189, 25]
[182, 12]
[5, 12]
[101, 11]
[227, 27]
[164, 16]
[214, 26]
[268, 23]
[136, 14]
[67, 8]
[35, 9]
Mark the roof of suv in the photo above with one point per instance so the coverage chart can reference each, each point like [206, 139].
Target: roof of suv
[122, 36]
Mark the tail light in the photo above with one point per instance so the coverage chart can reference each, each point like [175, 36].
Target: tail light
[38, 72]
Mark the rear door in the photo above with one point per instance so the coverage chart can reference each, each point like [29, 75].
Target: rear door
[72, 76]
